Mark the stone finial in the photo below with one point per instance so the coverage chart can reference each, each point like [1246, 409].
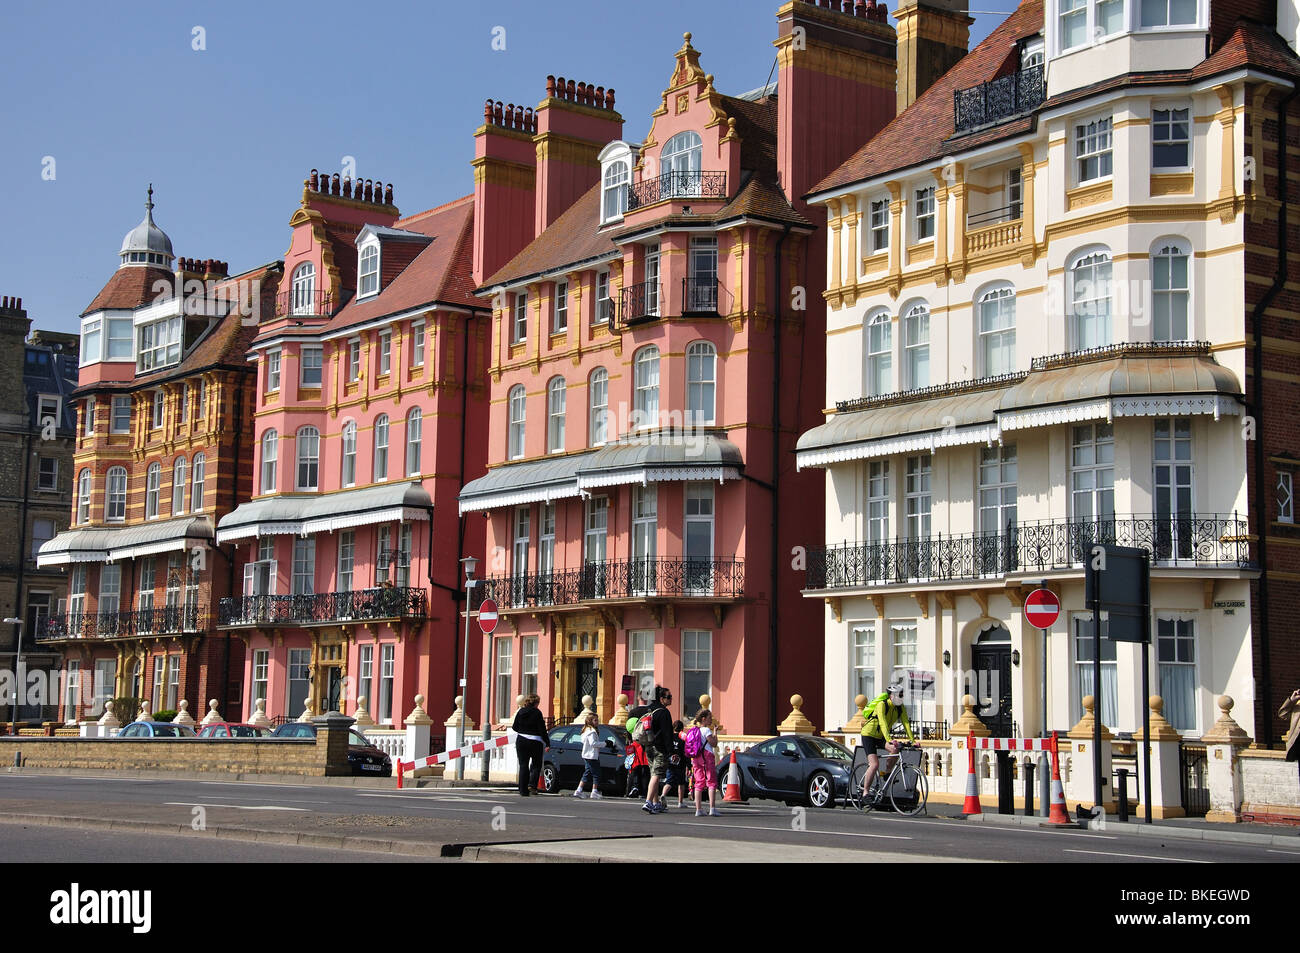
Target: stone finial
[1161, 730]
[259, 714]
[453, 721]
[361, 715]
[587, 702]
[183, 716]
[857, 722]
[620, 712]
[108, 719]
[1084, 728]
[307, 713]
[144, 714]
[418, 715]
[969, 724]
[213, 716]
[1226, 731]
[796, 723]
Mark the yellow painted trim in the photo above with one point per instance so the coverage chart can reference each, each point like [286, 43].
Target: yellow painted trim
[1180, 183]
[1086, 195]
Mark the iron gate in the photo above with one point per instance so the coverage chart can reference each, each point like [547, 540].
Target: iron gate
[1193, 765]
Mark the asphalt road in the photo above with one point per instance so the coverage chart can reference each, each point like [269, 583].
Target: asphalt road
[456, 817]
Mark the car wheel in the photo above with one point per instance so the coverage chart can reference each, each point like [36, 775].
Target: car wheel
[821, 790]
[552, 777]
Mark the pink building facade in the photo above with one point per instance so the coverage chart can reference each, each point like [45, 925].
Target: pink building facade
[370, 414]
[654, 351]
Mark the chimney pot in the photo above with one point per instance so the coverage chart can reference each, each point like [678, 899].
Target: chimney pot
[561, 87]
[487, 112]
[496, 112]
[550, 86]
[334, 184]
[314, 182]
[388, 195]
[609, 98]
[347, 186]
[573, 90]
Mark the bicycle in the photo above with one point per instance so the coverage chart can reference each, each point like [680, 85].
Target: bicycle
[900, 780]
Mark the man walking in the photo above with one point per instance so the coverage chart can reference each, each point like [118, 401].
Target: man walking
[661, 729]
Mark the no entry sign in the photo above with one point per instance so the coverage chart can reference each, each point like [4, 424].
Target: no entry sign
[1042, 608]
[487, 616]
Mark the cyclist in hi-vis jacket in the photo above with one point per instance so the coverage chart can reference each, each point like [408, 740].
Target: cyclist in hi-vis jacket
[875, 733]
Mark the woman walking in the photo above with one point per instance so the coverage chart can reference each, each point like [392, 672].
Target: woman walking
[701, 745]
[590, 756]
[530, 743]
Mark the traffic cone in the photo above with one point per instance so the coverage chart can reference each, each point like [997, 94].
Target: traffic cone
[971, 805]
[1057, 815]
[732, 792]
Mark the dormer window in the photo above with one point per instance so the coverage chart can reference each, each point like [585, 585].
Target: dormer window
[369, 271]
[1031, 53]
[160, 344]
[615, 192]
[304, 289]
[682, 160]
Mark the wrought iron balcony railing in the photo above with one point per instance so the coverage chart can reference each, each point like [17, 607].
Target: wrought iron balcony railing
[1192, 541]
[640, 302]
[994, 216]
[700, 295]
[385, 602]
[312, 303]
[677, 185]
[999, 99]
[164, 620]
[617, 579]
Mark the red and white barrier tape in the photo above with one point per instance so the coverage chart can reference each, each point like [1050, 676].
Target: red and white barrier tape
[1014, 744]
[444, 756]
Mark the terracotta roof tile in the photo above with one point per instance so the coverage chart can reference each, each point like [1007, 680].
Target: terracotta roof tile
[1251, 44]
[439, 273]
[572, 237]
[130, 287]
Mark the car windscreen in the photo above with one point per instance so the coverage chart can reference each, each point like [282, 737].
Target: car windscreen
[245, 731]
[825, 749]
[357, 738]
[167, 731]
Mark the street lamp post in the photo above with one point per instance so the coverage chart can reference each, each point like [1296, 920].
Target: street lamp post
[18, 671]
[470, 563]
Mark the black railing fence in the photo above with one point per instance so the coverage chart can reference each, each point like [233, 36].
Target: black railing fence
[163, 620]
[616, 579]
[677, 185]
[1194, 540]
[384, 602]
[998, 99]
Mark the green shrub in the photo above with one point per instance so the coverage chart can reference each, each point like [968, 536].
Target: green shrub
[124, 709]
[164, 715]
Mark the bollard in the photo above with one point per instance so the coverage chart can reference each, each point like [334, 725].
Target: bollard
[1006, 797]
[1044, 786]
[1029, 788]
[18, 759]
[1122, 774]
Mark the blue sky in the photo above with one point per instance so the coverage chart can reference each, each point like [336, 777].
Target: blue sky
[118, 97]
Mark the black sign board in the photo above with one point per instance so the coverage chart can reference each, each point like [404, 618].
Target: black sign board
[1118, 580]
[628, 685]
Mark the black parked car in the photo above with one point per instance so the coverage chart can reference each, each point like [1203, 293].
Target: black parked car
[364, 757]
[563, 765]
[793, 768]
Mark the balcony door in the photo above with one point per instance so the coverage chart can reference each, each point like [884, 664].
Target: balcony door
[1092, 488]
[698, 539]
[645, 530]
[595, 570]
[997, 509]
[1172, 458]
[682, 160]
[519, 562]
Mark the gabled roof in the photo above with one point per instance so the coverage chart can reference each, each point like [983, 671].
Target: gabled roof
[440, 273]
[130, 287]
[924, 132]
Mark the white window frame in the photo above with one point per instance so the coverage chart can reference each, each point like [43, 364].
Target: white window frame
[115, 484]
[517, 408]
[1165, 120]
[120, 421]
[368, 270]
[303, 290]
[598, 388]
[701, 383]
[697, 658]
[876, 512]
[1098, 444]
[863, 663]
[48, 406]
[418, 339]
[387, 681]
[1105, 708]
[646, 376]
[47, 477]
[84, 484]
[904, 645]
[1093, 141]
[270, 450]
[306, 447]
[311, 358]
[1285, 497]
[1182, 628]
[380, 472]
[603, 312]
[918, 496]
[641, 664]
[87, 418]
[384, 357]
[878, 345]
[879, 214]
[414, 441]
[923, 214]
[1167, 22]
[180, 484]
[503, 650]
[159, 410]
[519, 319]
[160, 344]
[916, 345]
[354, 360]
[560, 314]
[556, 402]
[152, 488]
[1091, 325]
[198, 479]
[614, 192]
[303, 578]
[1165, 288]
[996, 330]
[348, 461]
[343, 578]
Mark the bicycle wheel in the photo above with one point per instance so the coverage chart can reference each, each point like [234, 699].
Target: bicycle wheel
[856, 797]
[908, 790]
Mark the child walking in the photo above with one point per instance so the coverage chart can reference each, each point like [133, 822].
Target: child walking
[590, 756]
[676, 778]
[701, 745]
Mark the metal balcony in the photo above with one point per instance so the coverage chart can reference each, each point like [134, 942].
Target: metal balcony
[1196, 541]
[363, 605]
[311, 304]
[165, 620]
[618, 579]
[677, 185]
[640, 302]
[700, 295]
[998, 100]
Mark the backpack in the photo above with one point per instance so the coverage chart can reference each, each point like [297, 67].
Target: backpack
[872, 705]
[694, 742]
[643, 735]
[632, 723]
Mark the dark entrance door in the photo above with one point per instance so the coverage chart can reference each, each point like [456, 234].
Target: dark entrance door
[991, 659]
[585, 682]
[335, 688]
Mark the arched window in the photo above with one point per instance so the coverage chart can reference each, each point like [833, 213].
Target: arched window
[368, 269]
[304, 289]
[349, 436]
[270, 453]
[196, 480]
[880, 354]
[701, 383]
[115, 501]
[615, 191]
[153, 479]
[681, 160]
[516, 435]
[916, 346]
[1089, 296]
[381, 448]
[647, 387]
[556, 400]
[83, 496]
[414, 422]
[997, 331]
[308, 446]
[180, 483]
[1170, 291]
[598, 390]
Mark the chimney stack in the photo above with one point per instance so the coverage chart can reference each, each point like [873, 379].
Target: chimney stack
[932, 36]
[573, 123]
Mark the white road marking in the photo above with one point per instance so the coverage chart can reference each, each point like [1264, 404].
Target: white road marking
[294, 800]
[237, 807]
[1294, 852]
[993, 828]
[780, 830]
[1109, 853]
